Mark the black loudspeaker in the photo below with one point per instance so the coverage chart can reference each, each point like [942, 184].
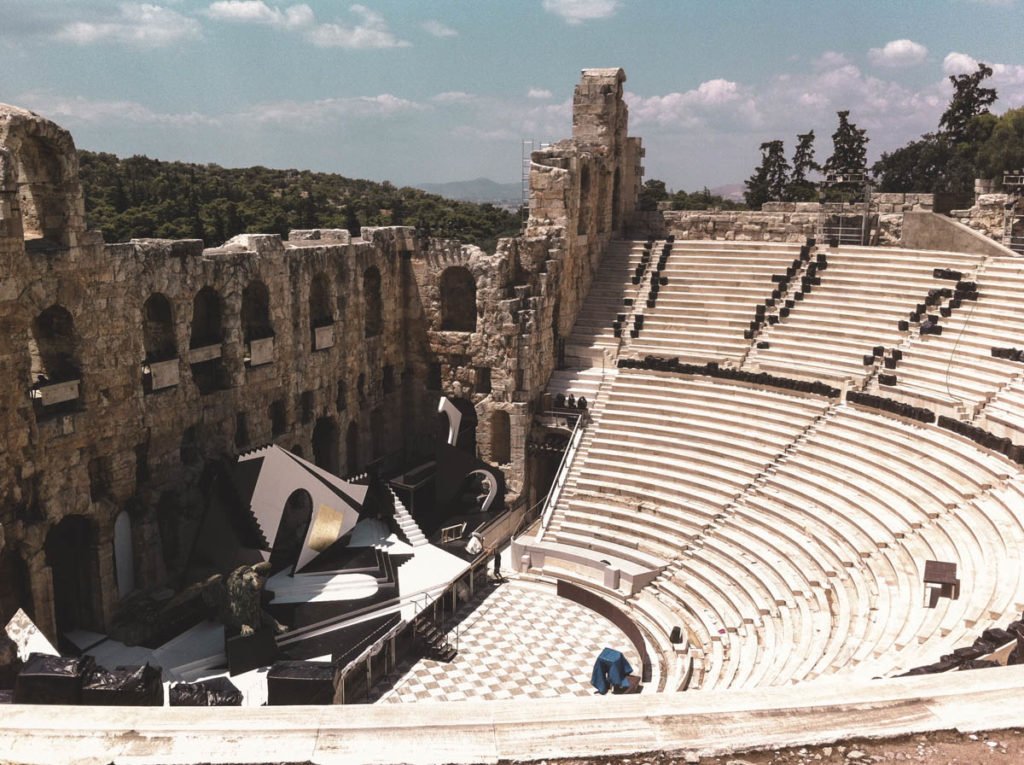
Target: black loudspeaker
[868, 359]
[676, 636]
[887, 379]
[783, 312]
[879, 350]
[300, 682]
[764, 344]
[833, 242]
[890, 363]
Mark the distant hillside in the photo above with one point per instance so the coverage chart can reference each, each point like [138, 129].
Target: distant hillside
[143, 197]
[476, 190]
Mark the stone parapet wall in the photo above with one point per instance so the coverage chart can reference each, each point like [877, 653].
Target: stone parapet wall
[986, 216]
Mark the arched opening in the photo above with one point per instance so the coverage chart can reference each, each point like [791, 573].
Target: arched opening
[46, 206]
[458, 300]
[53, 346]
[205, 342]
[501, 438]
[321, 314]
[158, 329]
[70, 554]
[256, 323]
[373, 318]
[291, 529]
[124, 556]
[583, 213]
[206, 319]
[467, 427]
[53, 351]
[352, 449]
[325, 444]
[378, 433]
[15, 590]
[616, 199]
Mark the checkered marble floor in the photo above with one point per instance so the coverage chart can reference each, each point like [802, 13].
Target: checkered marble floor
[516, 641]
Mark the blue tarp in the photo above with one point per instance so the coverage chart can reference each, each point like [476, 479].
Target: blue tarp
[611, 668]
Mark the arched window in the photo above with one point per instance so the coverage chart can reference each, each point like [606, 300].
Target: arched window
[325, 444]
[458, 300]
[158, 329]
[49, 195]
[373, 319]
[207, 333]
[53, 352]
[583, 217]
[53, 346]
[321, 313]
[206, 319]
[70, 553]
[352, 448]
[501, 438]
[256, 323]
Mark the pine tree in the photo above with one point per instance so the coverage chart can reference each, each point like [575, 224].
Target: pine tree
[769, 180]
[849, 148]
[800, 189]
[968, 101]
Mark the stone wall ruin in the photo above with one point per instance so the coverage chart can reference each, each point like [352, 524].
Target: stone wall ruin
[130, 368]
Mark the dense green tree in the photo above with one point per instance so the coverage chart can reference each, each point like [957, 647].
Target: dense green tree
[969, 100]
[652, 192]
[800, 188]
[849, 148]
[1003, 149]
[143, 197]
[769, 180]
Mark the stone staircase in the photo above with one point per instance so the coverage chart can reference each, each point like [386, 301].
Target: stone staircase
[409, 528]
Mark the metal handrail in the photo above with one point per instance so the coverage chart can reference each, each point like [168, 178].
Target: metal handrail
[563, 473]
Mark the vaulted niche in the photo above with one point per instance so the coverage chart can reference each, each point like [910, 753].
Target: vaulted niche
[458, 300]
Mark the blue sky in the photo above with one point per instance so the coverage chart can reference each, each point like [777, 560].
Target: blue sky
[436, 90]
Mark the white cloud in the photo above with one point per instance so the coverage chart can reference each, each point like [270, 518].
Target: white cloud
[689, 108]
[143, 24]
[453, 97]
[76, 109]
[898, 53]
[539, 93]
[304, 113]
[830, 59]
[578, 11]
[258, 12]
[371, 31]
[959, 63]
[437, 29]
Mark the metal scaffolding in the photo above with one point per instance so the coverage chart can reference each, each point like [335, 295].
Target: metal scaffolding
[851, 219]
[1013, 215]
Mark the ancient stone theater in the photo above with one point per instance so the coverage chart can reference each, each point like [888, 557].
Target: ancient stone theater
[694, 482]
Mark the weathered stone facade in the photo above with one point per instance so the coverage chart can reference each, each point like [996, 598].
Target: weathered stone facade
[129, 368]
[988, 215]
[775, 221]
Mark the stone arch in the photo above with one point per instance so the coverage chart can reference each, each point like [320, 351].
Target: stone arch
[325, 444]
[53, 346]
[15, 586]
[207, 321]
[256, 324]
[352, 448]
[49, 193]
[374, 316]
[501, 437]
[158, 337]
[458, 300]
[321, 312]
[583, 211]
[291, 529]
[124, 554]
[71, 555]
[208, 331]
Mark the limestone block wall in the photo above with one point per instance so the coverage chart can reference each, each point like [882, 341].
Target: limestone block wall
[774, 222]
[986, 215]
[169, 357]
